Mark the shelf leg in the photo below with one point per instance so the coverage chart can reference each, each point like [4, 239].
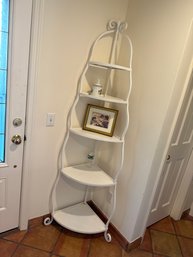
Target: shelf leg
[107, 237]
[86, 195]
[48, 221]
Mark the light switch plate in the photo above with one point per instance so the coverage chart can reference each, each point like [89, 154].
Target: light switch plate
[50, 119]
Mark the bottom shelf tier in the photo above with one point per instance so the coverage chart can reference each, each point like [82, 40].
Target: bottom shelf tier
[79, 218]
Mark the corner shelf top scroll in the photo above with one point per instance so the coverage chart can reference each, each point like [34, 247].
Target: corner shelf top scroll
[117, 25]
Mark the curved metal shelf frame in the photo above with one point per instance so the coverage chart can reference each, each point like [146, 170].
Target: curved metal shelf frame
[114, 29]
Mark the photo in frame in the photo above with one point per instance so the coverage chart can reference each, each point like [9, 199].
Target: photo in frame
[100, 119]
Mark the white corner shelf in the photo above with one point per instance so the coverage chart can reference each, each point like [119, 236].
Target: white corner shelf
[108, 66]
[106, 98]
[88, 174]
[79, 218]
[95, 136]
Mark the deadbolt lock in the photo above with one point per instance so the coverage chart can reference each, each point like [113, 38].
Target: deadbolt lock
[16, 139]
[17, 122]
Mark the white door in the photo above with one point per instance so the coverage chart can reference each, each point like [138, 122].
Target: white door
[176, 160]
[15, 21]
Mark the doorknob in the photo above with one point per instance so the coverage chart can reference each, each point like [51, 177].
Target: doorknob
[16, 139]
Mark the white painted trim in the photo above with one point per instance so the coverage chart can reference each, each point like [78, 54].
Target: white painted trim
[178, 206]
[36, 36]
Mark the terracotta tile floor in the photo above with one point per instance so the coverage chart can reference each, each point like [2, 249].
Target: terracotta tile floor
[167, 238]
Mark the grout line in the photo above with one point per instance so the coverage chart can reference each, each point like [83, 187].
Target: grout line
[15, 250]
[179, 245]
[61, 231]
[173, 223]
[174, 234]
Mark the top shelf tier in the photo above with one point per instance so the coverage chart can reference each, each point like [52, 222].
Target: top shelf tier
[109, 66]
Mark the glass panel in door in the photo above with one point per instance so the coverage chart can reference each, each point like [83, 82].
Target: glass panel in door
[4, 33]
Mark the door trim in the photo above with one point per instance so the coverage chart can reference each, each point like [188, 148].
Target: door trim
[161, 152]
[185, 67]
[35, 43]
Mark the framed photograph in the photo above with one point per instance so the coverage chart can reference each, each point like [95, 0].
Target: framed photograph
[100, 119]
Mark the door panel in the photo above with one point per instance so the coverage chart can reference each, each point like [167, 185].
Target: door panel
[11, 166]
[2, 192]
[176, 160]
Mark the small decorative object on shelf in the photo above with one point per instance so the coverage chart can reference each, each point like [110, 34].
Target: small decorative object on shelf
[100, 120]
[91, 139]
[96, 89]
[90, 156]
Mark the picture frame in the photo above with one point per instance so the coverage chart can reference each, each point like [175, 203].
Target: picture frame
[100, 119]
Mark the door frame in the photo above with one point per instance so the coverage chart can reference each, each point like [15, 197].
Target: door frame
[17, 87]
[37, 18]
[186, 182]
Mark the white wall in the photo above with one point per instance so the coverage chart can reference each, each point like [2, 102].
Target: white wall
[69, 28]
[158, 31]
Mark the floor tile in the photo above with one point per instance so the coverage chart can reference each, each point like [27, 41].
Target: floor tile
[16, 236]
[165, 244]
[164, 225]
[184, 228]
[42, 237]
[138, 253]
[7, 248]
[146, 243]
[99, 247]
[186, 246]
[25, 251]
[72, 246]
[55, 241]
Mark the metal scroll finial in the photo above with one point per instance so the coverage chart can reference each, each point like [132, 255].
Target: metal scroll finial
[117, 25]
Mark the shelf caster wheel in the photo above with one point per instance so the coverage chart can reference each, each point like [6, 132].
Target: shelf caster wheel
[47, 221]
[108, 237]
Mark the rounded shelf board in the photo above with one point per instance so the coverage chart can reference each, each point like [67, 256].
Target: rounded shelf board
[106, 98]
[88, 174]
[95, 136]
[109, 66]
[79, 218]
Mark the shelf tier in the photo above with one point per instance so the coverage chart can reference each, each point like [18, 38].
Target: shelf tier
[95, 136]
[79, 218]
[109, 66]
[106, 98]
[88, 174]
